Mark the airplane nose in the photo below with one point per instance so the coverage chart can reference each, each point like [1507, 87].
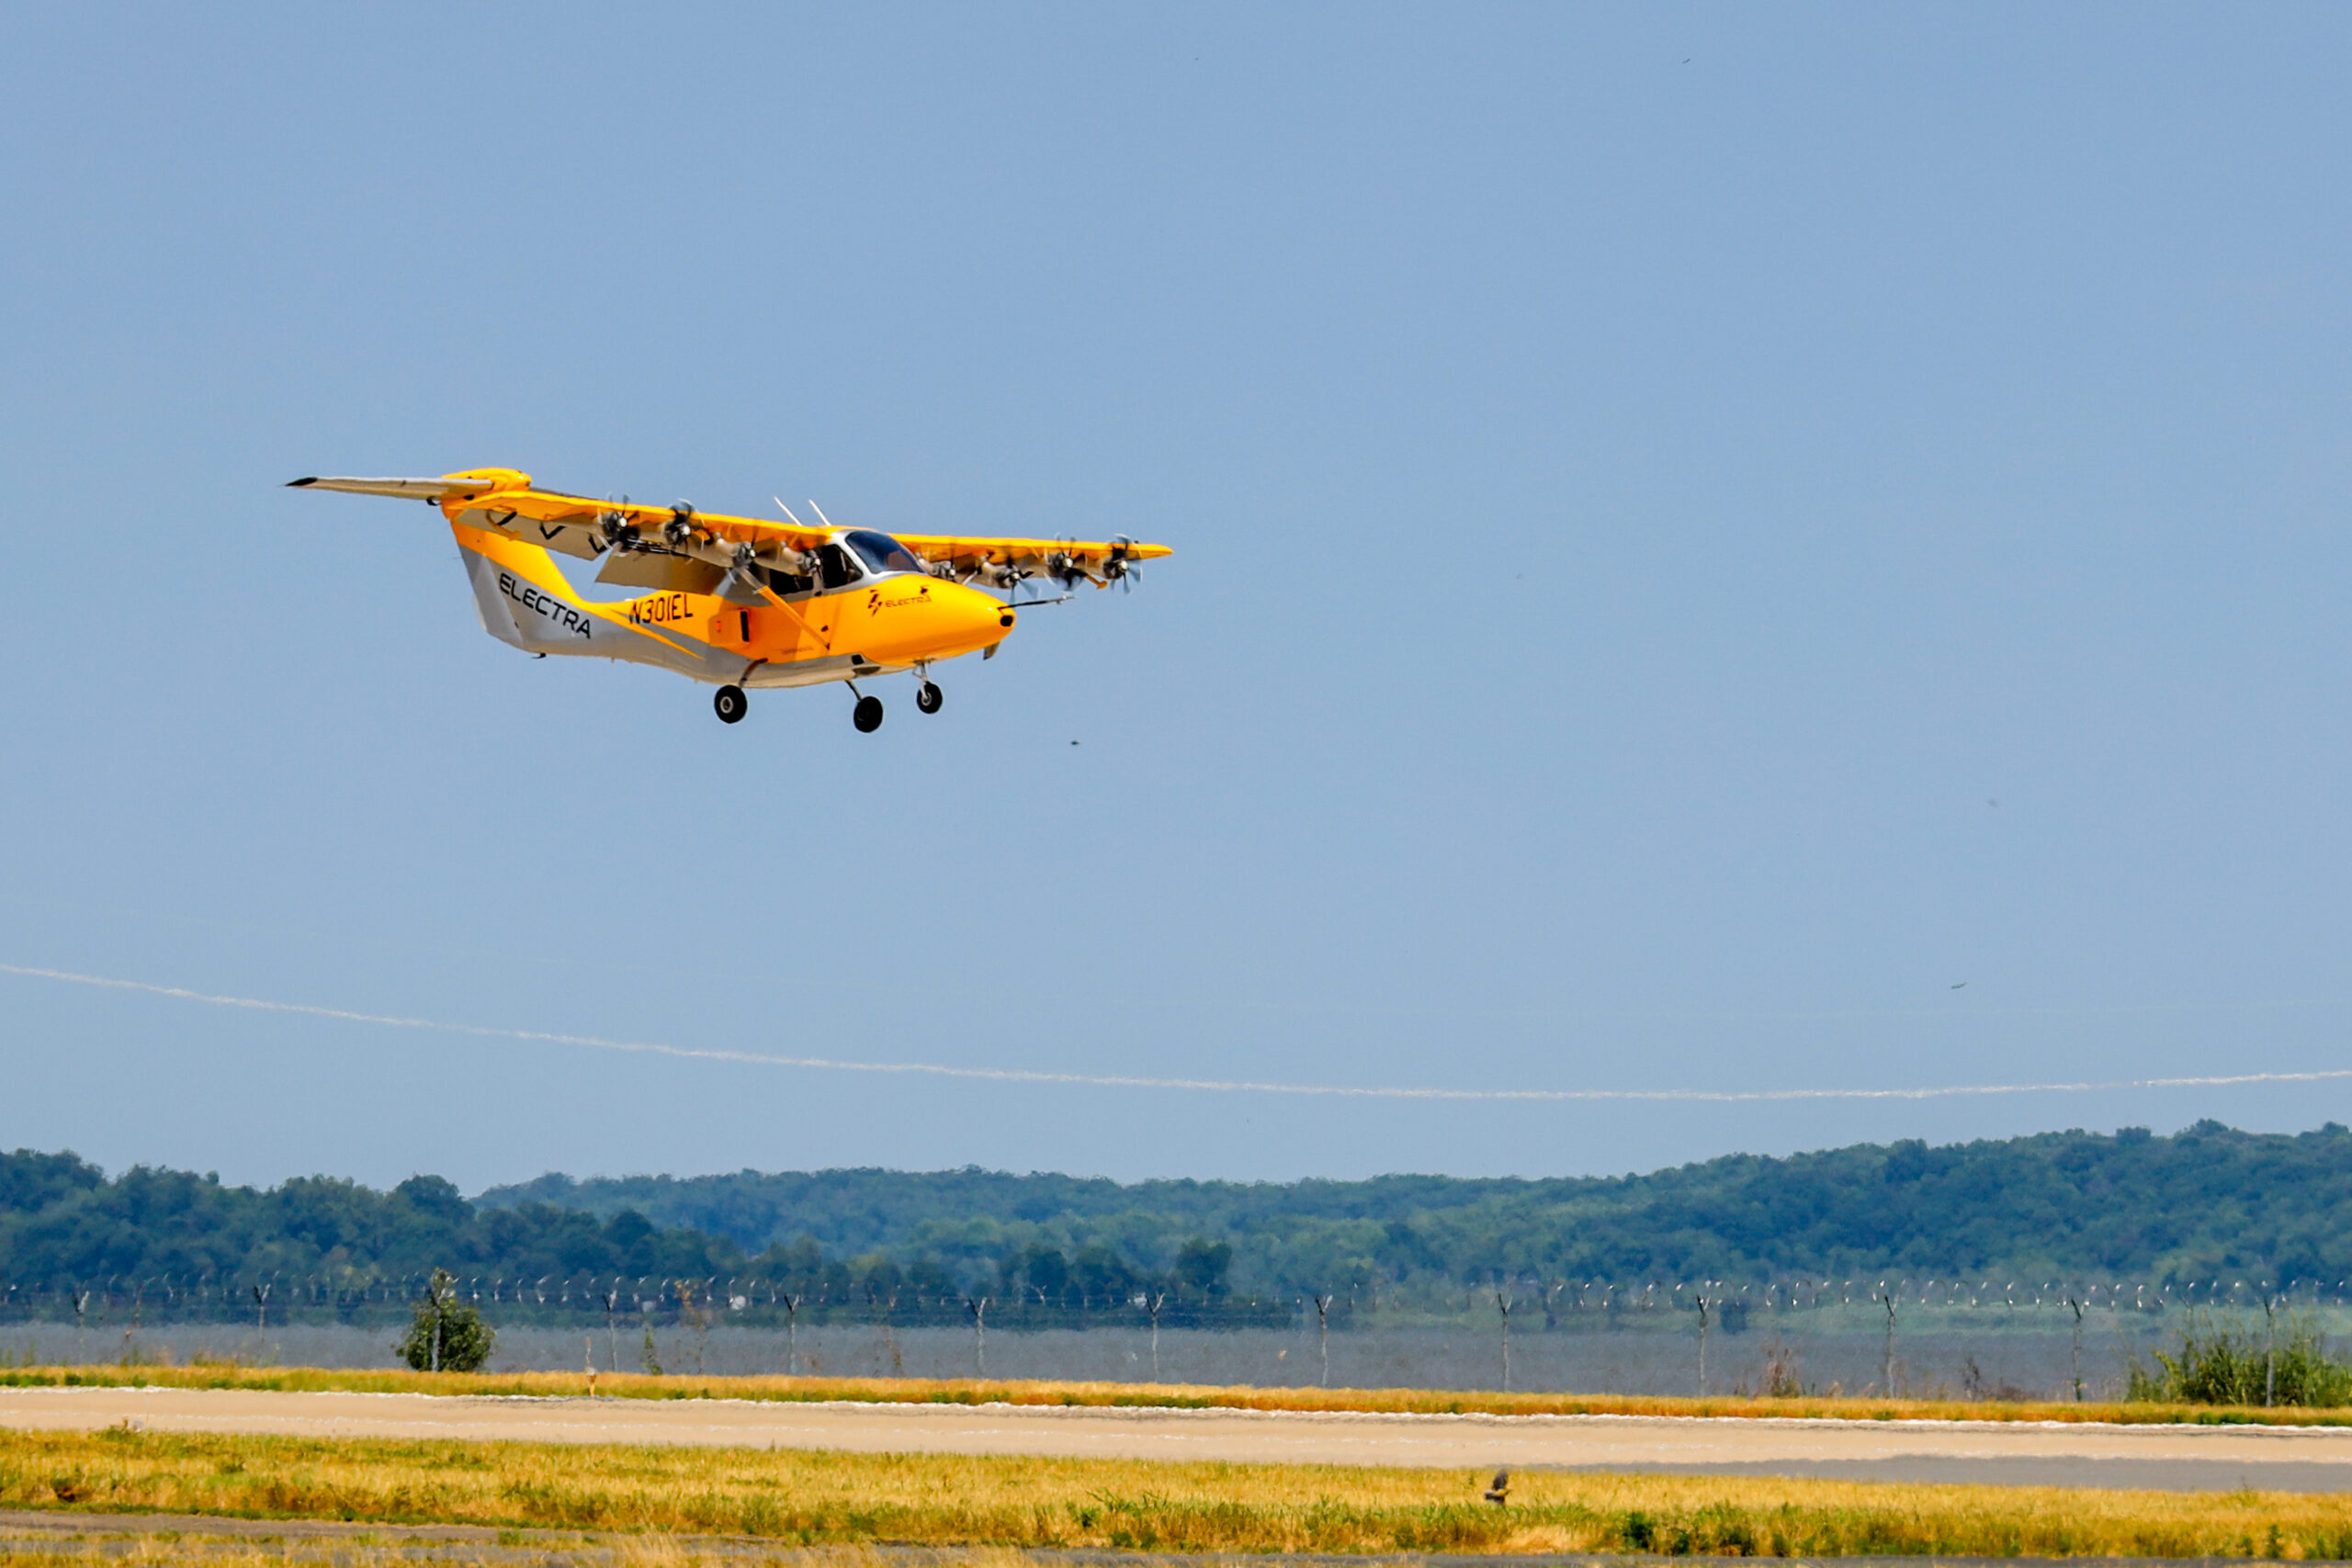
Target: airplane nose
[982, 620]
[990, 615]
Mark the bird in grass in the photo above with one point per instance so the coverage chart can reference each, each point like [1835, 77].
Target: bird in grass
[1499, 1492]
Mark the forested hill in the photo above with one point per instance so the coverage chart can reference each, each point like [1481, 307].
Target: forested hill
[2206, 1203]
[2207, 1200]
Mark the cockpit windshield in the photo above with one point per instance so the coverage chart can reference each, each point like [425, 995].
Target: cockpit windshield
[880, 551]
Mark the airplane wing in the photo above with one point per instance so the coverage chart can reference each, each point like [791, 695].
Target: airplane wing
[994, 560]
[582, 526]
[586, 528]
[444, 488]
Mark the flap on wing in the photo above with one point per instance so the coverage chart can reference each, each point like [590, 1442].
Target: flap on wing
[1092, 557]
[676, 574]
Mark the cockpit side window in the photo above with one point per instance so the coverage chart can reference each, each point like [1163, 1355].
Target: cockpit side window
[880, 551]
[836, 568]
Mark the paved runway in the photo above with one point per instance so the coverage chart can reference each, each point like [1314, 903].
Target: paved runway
[2281, 1459]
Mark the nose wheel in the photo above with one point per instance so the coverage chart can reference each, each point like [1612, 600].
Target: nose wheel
[868, 714]
[928, 697]
[731, 705]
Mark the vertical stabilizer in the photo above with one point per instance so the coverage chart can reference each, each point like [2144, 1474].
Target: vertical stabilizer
[522, 599]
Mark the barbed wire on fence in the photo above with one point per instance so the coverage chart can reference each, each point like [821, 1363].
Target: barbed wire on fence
[1563, 1301]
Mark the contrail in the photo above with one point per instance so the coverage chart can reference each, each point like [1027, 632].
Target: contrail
[1115, 1080]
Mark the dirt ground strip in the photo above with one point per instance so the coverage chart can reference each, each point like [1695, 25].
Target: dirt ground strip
[43, 1539]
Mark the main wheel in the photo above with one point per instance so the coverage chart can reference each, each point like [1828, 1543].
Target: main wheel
[869, 717]
[928, 697]
[730, 703]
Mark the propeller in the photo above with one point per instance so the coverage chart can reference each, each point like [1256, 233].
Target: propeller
[743, 564]
[681, 527]
[798, 563]
[1119, 568]
[613, 525]
[995, 576]
[1065, 568]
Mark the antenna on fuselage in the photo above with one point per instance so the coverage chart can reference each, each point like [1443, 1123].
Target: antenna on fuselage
[780, 506]
[821, 514]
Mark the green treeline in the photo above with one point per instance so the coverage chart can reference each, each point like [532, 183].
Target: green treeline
[2207, 1203]
[2204, 1202]
[187, 1242]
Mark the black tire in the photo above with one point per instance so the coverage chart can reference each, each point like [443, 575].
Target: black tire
[868, 714]
[928, 697]
[732, 705]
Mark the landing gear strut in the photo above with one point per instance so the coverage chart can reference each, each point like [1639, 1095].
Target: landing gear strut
[867, 716]
[928, 697]
[730, 703]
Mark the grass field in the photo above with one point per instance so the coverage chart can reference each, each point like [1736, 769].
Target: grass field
[532, 1550]
[918, 1391]
[816, 1499]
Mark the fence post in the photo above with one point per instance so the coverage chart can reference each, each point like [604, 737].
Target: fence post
[1703, 1304]
[2074, 1299]
[1886, 1371]
[2269, 1346]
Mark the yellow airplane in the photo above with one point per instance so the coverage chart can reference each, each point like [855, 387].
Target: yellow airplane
[740, 601]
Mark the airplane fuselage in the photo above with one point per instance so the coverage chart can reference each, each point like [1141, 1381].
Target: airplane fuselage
[870, 624]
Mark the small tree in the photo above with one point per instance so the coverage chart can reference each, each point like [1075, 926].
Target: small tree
[446, 1334]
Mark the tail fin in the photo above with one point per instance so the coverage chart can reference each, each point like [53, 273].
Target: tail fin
[522, 598]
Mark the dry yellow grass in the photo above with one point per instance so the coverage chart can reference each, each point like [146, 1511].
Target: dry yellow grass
[924, 1391]
[517, 1550]
[571, 1551]
[814, 1498]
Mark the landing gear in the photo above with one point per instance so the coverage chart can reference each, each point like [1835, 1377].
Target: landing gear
[928, 697]
[867, 716]
[730, 703]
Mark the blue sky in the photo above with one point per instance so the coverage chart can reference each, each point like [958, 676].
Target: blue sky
[1645, 482]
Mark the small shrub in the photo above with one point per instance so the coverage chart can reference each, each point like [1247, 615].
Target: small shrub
[1781, 1379]
[446, 1334]
[2236, 1364]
